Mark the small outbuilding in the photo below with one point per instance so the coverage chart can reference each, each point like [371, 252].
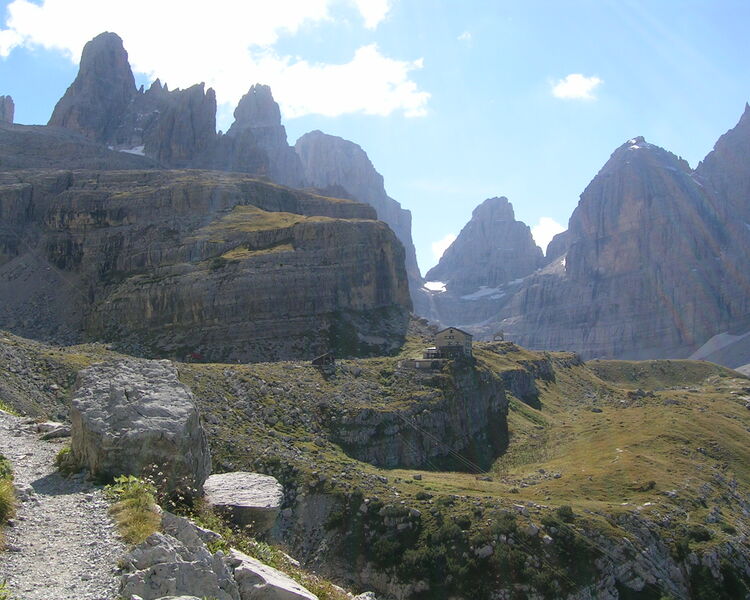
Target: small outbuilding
[453, 342]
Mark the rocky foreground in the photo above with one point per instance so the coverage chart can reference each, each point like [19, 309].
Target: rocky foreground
[605, 479]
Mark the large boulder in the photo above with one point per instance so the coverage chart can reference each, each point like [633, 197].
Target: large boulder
[248, 499]
[134, 417]
[257, 581]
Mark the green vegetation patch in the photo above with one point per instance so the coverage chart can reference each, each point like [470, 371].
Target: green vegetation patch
[134, 508]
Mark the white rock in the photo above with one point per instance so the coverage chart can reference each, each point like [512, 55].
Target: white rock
[135, 417]
[163, 566]
[248, 498]
[257, 581]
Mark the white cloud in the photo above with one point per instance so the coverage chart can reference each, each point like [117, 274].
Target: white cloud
[544, 231]
[439, 247]
[230, 46]
[576, 86]
[373, 11]
[465, 37]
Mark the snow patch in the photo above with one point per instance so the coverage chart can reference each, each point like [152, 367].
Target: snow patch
[137, 150]
[483, 292]
[434, 286]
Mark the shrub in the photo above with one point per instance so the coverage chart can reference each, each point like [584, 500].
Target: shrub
[65, 463]
[134, 509]
[6, 471]
[7, 492]
[699, 533]
[565, 514]
[7, 500]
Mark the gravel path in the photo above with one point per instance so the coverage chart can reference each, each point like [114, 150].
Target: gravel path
[62, 544]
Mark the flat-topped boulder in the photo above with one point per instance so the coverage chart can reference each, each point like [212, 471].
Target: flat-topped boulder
[246, 498]
[134, 417]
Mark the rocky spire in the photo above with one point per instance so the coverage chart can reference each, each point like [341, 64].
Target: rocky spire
[257, 108]
[257, 127]
[492, 249]
[97, 101]
[7, 109]
[725, 169]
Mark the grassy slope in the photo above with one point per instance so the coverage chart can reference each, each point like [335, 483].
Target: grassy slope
[659, 435]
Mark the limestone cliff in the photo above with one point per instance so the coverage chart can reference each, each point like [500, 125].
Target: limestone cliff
[652, 268]
[175, 128]
[44, 147]
[257, 128]
[725, 170]
[197, 264]
[483, 265]
[7, 109]
[100, 97]
[492, 249]
[330, 161]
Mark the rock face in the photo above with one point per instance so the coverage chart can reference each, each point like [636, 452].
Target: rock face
[7, 109]
[725, 169]
[331, 161]
[167, 257]
[178, 561]
[135, 418]
[176, 128]
[492, 249]
[99, 99]
[247, 498]
[652, 267]
[40, 147]
[257, 581]
[487, 260]
[651, 264]
[257, 129]
[467, 414]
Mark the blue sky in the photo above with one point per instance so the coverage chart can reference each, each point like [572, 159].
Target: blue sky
[453, 101]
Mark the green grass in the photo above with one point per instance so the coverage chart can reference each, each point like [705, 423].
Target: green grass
[4, 591]
[134, 508]
[7, 500]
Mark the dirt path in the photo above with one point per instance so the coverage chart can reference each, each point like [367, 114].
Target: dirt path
[62, 544]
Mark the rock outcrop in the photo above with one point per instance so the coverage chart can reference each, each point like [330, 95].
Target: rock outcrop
[136, 418]
[257, 130]
[161, 262]
[7, 109]
[483, 265]
[40, 147]
[652, 268]
[247, 499]
[725, 169]
[178, 561]
[464, 426]
[175, 128]
[491, 250]
[99, 99]
[256, 580]
[331, 162]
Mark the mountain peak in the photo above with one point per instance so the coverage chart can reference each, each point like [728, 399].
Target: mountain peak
[257, 108]
[495, 208]
[97, 100]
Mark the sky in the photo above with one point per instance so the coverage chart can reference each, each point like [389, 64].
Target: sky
[454, 101]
